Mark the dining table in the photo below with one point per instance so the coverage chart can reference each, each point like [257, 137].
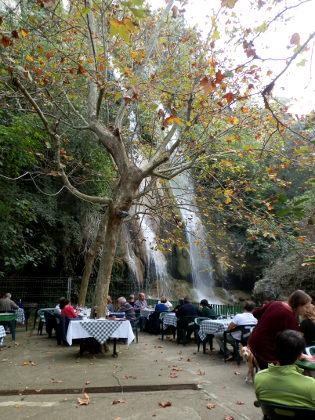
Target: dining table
[212, 326]
[101, 329]
[2, 334]
[146, 312]
[9, 317]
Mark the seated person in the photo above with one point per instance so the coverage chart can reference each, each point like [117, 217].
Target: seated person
[307, 326]
[6, 304]
[284, 383]
[246, 318]
[207, 310]
[124, 306]
[110, 306]
[59, 306]
[67, 309]
[140, 303]
[161, 306]
[180, 302]
[131, 300]
[187, 309]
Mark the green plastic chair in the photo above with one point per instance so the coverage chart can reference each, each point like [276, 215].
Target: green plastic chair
[245, 333]
[273, 411]
[186, 325]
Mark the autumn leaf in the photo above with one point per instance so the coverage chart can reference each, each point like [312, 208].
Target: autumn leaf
[173, 375]
[210, 406]
[118, 401]
[87, 382]
[201, 373]
[4, 360]
[240, 402]
[81, 70]
[6, 41]
[295, 39]
[165, 404]
[85, 400]
[229, 97]
[226, 417]
[172, 119]
[24, 33]
[178, 369]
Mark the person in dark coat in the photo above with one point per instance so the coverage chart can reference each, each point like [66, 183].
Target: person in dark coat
[186, 309]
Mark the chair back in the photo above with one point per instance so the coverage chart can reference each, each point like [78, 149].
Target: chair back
[310, 350]
[245, 333]
[199, 320]
[273, 411]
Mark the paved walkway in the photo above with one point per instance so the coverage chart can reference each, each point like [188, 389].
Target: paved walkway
[36, 362]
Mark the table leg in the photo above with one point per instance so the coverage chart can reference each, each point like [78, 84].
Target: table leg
[115, 354]
[12, 328]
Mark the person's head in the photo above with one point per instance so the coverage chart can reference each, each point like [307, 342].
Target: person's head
[249, 306]
[205, 303]
[186, 299]
[61, 301]
[64, 303]
[121, 300]
[8, 295]
[141, 296]
[109, 299]
[163, 299]
[300, 302]
[289, 346]
[181, 301]
[310, 314]
[131, 298]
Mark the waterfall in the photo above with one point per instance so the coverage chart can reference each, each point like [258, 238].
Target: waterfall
[157, 276]
[200, 260]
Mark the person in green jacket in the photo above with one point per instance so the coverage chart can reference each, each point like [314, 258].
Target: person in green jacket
[207, 310]
[284, 383]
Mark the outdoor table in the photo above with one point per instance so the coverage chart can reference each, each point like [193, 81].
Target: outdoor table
[2, 334]
[11, 318]
[169, 319]
[212, 326]
[145, 313]
[101, 330]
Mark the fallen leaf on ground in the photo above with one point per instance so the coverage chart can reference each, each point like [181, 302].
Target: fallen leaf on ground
[201, 373]
[125, 377]
[16, 343]
[210, 406]
[85, 400]
[17, 405]
[25, 363]
[240, 402]
[117, 418]
[55, 381]
[4, 360]
[228, 418]
[178, 369]
[87, 382]
[118, 401]
[237, 373]
[34, 363]
[173, 375]
[165, 404]
[188, 360]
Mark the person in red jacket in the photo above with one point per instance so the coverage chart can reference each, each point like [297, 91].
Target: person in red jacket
[68, 310]
[273, 318]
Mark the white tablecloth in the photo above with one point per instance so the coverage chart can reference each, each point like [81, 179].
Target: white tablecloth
[2, 334]
[169, 319]
[213, 326]
[145, 313]
[20, 316]
[76, 329]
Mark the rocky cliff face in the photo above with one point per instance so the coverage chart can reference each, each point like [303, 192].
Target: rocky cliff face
[285, 276]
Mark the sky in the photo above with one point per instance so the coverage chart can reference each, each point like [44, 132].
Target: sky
[298, 83]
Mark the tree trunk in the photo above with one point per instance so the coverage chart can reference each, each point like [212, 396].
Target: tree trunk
[114, 223]
[90, 258]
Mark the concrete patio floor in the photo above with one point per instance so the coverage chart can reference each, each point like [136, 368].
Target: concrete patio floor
[38, 363]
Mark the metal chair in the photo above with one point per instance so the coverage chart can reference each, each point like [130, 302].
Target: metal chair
[245, 333]
[272, 411]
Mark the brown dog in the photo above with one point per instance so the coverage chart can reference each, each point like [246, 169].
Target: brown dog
[248, 357]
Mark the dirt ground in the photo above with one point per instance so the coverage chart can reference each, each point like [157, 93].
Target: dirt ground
[37, 363]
